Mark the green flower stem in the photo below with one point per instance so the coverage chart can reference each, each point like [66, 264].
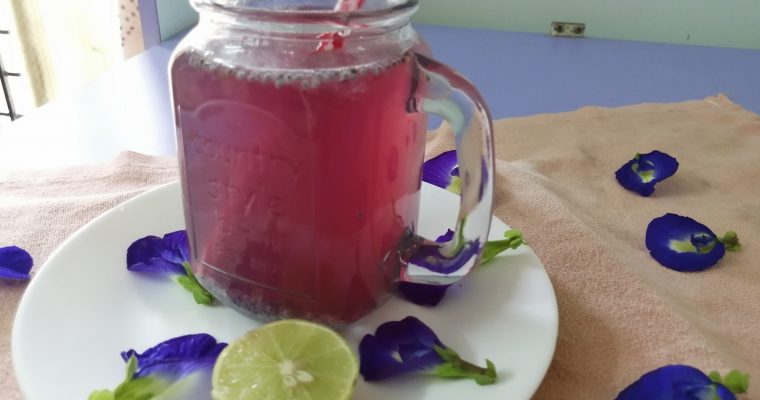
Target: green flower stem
[104, 394]
[455, 186]
[456, 368]
[514, 239]
[736, 381]
[191, 284]
[132, 389]
[731, 241]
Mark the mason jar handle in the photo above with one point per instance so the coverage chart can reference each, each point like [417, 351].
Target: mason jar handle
[443, 91]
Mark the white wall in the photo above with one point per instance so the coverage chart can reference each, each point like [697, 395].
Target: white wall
[727, 23]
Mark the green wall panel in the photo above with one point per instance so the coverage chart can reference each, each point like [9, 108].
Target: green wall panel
[726, 23]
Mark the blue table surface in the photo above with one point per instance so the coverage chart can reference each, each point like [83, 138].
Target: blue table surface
[519, 74]
[522, 74]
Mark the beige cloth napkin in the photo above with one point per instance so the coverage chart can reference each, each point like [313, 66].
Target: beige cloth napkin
[621, 314]
[38, 210]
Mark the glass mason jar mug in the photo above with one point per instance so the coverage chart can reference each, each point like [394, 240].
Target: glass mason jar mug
[301, 131]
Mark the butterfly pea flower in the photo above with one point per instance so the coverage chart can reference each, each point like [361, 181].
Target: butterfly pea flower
[169, 255]
[411, 347]
[683, 244]
[683, 382]
[646, 170]
[431, 295]
[431, 256]
[178, 368]
[15, 263]
[422, 294]
[443, 171]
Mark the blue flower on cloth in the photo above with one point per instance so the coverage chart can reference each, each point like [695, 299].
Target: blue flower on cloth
[15, 263]
[411, 347]
[443, 171]
[682, 382]
[431, 295]
[683, 244]
[646, 170]
[169, 255]
[180, 366]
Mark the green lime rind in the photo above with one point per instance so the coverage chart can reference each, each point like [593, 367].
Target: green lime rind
[289, 359]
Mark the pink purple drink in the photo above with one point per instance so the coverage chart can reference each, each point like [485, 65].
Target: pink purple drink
[300, 185]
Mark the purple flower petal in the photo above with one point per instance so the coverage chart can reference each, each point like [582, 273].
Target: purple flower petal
[641, 174]
[179, 245]
[675, 382]
[15, 263]
[399, 347]
[683, 244]
[378, 361]
[422, 294]
[724, 393]
[429, 256]
[409, 330]
[154, 254]
[439, 170]
[177, 357]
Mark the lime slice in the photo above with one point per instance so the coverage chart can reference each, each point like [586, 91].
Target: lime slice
[289, 359]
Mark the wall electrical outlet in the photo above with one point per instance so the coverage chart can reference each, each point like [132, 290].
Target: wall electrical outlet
[567, 29]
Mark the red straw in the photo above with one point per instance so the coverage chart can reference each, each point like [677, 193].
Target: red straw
[349, 5]
[335, 40]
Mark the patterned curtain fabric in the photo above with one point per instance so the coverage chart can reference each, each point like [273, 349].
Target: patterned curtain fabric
[131, 28]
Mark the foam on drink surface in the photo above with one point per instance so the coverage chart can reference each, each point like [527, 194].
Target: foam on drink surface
[305, 78]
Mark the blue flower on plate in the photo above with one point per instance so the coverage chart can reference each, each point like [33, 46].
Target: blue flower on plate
[180, 366]
[411, 347]
[682, 382]
[163, 255]
[429, 256]
[177, 357]
[169, 255]
[443, 171]
[15, 263]
[645, 170]
[422, 294]
[431, 295]
[683, 244]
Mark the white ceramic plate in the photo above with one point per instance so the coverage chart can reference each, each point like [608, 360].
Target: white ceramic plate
[83, 308]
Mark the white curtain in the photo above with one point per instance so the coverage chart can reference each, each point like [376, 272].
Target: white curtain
[67, 43]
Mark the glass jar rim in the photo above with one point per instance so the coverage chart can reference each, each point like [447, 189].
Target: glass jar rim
[266, 10]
